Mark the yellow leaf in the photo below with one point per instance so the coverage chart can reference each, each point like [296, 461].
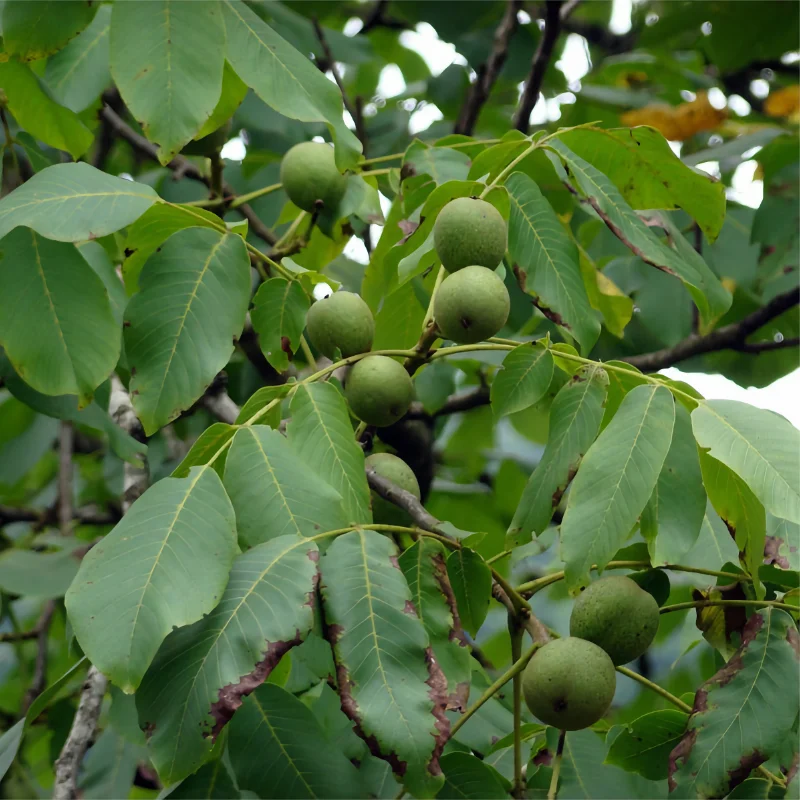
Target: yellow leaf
[678, 123]
[783, 102]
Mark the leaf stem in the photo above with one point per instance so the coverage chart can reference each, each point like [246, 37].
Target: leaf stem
[552, 792]
[531, 587]
[654, 687]
[455, 146]
[440, 276]
[312, 362]
[712, 602]
[513, 670]
[507, 169]
[241, 199]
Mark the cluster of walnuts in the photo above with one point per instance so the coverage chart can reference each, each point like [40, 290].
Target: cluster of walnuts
[569, 683]
[471, 304]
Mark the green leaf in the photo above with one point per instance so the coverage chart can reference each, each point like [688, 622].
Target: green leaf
[110, 767]
[321, 434]
[709, 295]
[466, 776]
[9, 745]
[585, 775]
[261, 398]
[743, 714]
[170, 73]
[206, 447]
[66, 407]
[35, 30]
[759, 446]
[98, 259]
[641, 164]
[35, 111]
[33, 574]
[56, 323]
[644, 745]
[74, 202]
[741, 511]
[523, 380]
[490, 723]
[194, 293]
[471, 580]
[425, 569]
[284, 78]
[672, 518]
[389, 686]
[781, 547]
[211, 782]
[714, 546]
[202, 672]
[546, 262]
[279, 317]
[153, 228]
[78, 74]
[278, 750]
[441, 163]
[274, 492]
[398, 323]
[615, 481]
[164, 565]
[575, 418]
[233, 91]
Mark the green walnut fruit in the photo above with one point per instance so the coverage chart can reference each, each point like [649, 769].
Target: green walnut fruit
[469, 232]
[341, 320]
[569, 684]
[398, 472]
[379, 390]
[618, 615]
[309, 174]
[471, 305]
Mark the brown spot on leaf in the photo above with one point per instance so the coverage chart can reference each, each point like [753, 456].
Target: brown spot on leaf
[543, 758]
[679, 755]
[286, 346]
[313, 555]
[129, 252]
[408, 227]
[747, 763]
[521, 276]
[793, 637]
[409, 609]
[395, 563]
[232, 695]
[771, 552]
[438, 693]
[553, 316]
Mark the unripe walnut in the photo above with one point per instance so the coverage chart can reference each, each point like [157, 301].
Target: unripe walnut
[469, 232]
[379, 390]
[309, 174]
[342, 320]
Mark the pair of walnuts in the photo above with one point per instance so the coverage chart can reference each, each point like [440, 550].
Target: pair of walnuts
[472, 303]
[569, 683]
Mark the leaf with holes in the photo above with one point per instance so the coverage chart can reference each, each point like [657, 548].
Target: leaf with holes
[56, 322]
[194, 294]
[279, 316]
[673, 516]
[279, 750]
[425, 569]
[615, 481]
[268, 484]
[743, 714]
[471, 580]
[390, 684]
[545, 260]
[202, 672]
[74, 202]
[164, 565]
[321, 434]
[524, 378]
[709, 295]
[284, 78]
[170, 73]
[760, 446]
[575, 418]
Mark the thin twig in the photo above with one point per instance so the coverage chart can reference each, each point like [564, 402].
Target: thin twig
[515, 632]
[723, 603]
[552, 792]
[65, 515]
[541, 60]
[40, 668]
[455, 404]
[489, 72]
[730, 337]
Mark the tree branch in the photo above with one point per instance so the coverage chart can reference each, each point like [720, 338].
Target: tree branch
[65, 515]
[541, 60]
[86, 516]
[39, 681]
[730, 337]
[489, 72]
[183, 167]
[454, 404]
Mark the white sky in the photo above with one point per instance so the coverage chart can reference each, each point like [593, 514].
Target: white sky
[783, 396]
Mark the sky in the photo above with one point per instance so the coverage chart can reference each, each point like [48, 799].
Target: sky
[783, 396]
